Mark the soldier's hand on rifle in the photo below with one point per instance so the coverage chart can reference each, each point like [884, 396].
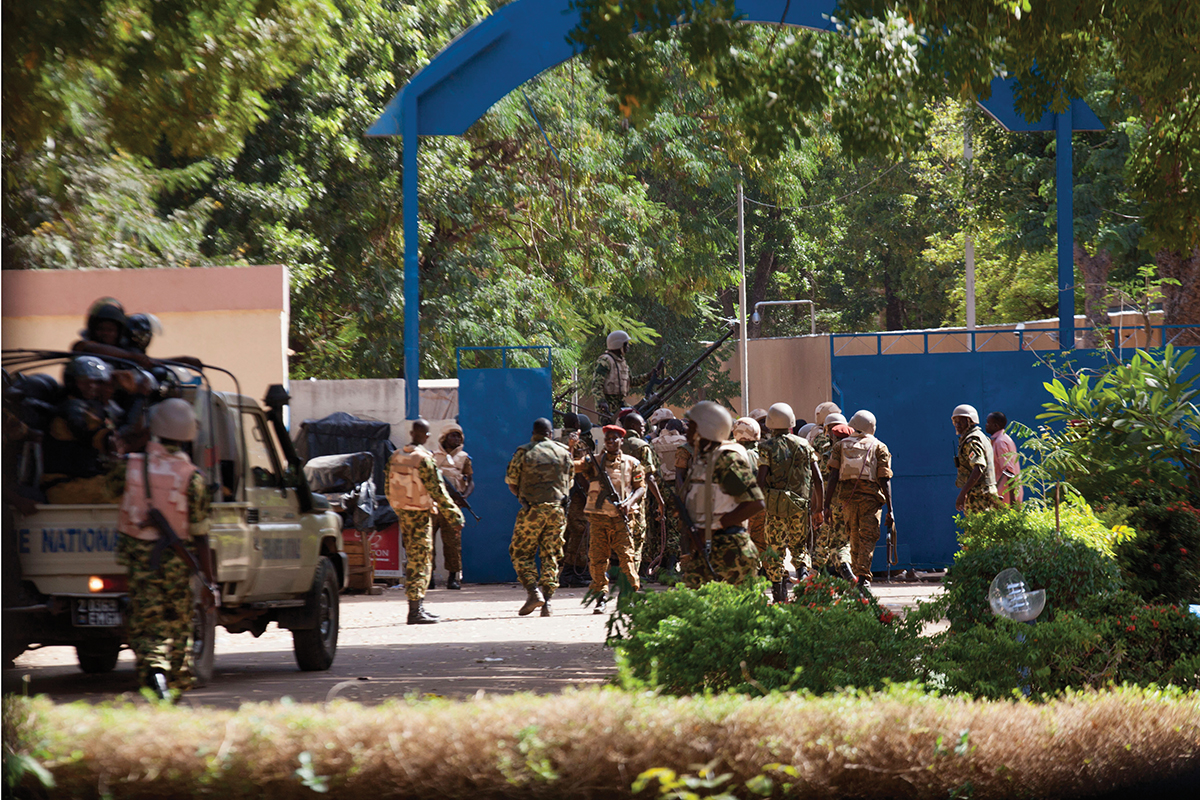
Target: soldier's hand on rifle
[818, 518]
[661, 512]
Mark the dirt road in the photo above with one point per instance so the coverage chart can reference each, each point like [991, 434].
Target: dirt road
[481, 645]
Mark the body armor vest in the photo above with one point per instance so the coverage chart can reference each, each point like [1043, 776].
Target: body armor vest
[706, 500]
[620, 472]
[170, 474]
[545, 473]
[664, 447]
[453, 467]
[617, 382]
[405, 489]
[858, 458]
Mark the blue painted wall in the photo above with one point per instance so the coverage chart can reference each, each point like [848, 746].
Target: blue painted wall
[497, 408]
[912, 397]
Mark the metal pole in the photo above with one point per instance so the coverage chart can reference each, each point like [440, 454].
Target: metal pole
[1066, 229]
[745, 354]
[412, 280]
[969, 241]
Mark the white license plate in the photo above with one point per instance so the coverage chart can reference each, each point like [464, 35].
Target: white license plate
[97, 612]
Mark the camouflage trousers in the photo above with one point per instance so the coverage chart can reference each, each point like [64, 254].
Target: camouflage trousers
[831, 541]
[416, 535]
[539, 527]
[732, 555]
[783, 534]
[757, 529]
[575, 552]
[608, 536]
[160, 612]
[451, 543]
[978, 500]
[863, 514]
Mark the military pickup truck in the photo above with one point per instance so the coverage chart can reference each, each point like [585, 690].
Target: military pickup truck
[277, 549]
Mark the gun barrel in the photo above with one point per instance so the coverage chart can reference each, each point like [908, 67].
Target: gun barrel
[652, 402]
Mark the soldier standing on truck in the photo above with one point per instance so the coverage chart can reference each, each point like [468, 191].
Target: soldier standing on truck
[455, 465]
[610, 377]
[415, 490]
[160, 596]
[540, 475]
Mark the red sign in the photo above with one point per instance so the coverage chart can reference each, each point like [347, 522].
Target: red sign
[386, 544]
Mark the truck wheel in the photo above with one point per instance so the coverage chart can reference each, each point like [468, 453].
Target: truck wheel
[97, 657]
[315, 647]
[204, 634]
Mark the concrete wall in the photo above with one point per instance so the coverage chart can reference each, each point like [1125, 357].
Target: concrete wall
[793, 371]
[232, 317]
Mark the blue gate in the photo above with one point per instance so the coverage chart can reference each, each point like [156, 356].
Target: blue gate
[501, 391]
[912, 397]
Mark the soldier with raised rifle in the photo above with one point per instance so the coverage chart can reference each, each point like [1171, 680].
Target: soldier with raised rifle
[617, 483]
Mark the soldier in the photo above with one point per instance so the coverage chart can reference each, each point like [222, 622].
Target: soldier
[160, 597]
[747, 432]
[860, 472]
[455, 466]
[975, 463]
[657, 420]
[79, 445]
[634, 445]
[540, 475]
[831, 542]
[665, 445]
[610, 378]
[822, 411]
[793, 487]
[576, 436]
[415, 491]
[611, 530]
[722, 494]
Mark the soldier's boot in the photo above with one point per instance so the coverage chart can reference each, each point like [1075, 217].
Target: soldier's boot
[158, 685]
[547, 594]
[601, 604]
[778, 593]
[417, 615]
[533, 602]
[864, 586]
[454, 581]
[432, 581]
[844, 571]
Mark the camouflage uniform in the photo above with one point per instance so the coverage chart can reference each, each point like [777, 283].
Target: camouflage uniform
[541, 520]
[831, 542]
[975, 450]
[781, 453]
[861, 502]
[608, 533]
[732, 555]
[639, 448]
[575, 551]
[161, 607]
[756, 526]
[600, 374]
[416, 527]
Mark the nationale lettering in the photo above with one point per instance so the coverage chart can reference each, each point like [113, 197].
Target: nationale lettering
[73, 540]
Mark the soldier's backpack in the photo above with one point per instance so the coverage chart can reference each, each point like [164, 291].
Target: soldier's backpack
[405, 489]
[544, 473]
[790, 477]
[858, 458]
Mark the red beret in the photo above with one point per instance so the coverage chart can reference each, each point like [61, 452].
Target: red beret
[616, 428]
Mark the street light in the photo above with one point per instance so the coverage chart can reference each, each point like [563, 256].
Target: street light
[756, 317]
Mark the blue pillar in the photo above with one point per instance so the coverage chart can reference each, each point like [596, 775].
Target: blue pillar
[412, 277]
[1066, 229]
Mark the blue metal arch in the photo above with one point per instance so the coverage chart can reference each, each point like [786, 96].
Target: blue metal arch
[526, 37]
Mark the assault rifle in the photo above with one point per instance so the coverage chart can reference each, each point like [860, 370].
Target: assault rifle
[892, 543]
[698, 544]
[660, 395]
[459, 499]
[169, 538]
[608, 490]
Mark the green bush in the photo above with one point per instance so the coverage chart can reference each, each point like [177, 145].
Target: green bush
[684, 642]
[1069, 569]
[1112, 638]
[1162, 562]
[1076, 521]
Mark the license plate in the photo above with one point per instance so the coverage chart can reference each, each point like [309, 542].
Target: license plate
[97, 612]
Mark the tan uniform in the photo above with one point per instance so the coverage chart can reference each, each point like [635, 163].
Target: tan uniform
[609, 533]
[859, 494]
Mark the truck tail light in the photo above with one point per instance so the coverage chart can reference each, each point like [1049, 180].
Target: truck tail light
[108, 583]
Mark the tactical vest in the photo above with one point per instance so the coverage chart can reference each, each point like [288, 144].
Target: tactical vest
[859, 458]
[405, 489]
[545, 472]
[707, 501]
[987, 481]
[664, 447]
[170, 474]
[788, 483]
[620, 472]
[617, 382]
[635, 446]
[453, 467]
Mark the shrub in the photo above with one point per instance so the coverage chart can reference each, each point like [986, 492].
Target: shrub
[1115, 638]
[1076, 521]
[684, 642]
[1162, 562]
[1068, 569]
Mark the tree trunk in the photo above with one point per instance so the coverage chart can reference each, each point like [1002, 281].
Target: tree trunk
[1095, 271]
[756, 290]
[1181, 304]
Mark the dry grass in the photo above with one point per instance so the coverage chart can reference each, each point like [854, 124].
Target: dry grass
[594, 743]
